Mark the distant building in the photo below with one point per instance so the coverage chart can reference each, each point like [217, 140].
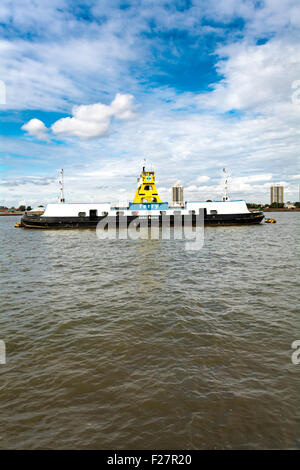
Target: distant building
[177, 195]
[289, 205]
[276, 193]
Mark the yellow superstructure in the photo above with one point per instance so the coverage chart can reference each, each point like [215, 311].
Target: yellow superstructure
[146, 190]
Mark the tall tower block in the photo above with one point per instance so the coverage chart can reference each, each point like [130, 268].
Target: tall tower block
[276, 193]
[177, 195]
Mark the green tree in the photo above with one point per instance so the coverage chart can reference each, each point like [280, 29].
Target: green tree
[22, 208]
[251, 205]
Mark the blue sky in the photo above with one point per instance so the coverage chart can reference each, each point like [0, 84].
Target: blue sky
[95, 87]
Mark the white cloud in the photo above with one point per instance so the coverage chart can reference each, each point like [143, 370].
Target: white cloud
[192, 187]
[190, 147]
[88, 121]
[69, 60]
[68, 57]
[122, 106]
[252, 178]
[203, 179]
[84, 129]
[256, 78]
[36, 128]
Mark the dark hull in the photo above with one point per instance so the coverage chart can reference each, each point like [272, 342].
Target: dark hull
[121, 221]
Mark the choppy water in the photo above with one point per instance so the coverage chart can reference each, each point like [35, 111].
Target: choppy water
[141, 344]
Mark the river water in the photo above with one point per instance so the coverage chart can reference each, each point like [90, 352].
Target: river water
[141, 344]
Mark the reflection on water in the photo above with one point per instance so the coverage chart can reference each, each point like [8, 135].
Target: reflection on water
[143, 344]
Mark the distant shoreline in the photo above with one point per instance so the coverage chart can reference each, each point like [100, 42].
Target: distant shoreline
[280, 209]
[12, 213]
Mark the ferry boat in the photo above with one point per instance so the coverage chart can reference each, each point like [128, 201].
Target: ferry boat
[146, 208]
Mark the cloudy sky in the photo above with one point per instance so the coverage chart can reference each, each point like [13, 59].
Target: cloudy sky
[192, 86]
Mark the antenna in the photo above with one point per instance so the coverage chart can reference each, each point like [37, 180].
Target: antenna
[225, 176]
[61, 186]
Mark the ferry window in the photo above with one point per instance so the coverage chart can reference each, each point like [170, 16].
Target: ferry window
[93, 213]
[177, 212]
[148, 188]
[81, 214]
[120, 213]
[104, 213]
[163, 212]
[213, 212]
[192, 212]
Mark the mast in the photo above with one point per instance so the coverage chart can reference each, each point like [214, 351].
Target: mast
[225, 175]
[61, 186]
